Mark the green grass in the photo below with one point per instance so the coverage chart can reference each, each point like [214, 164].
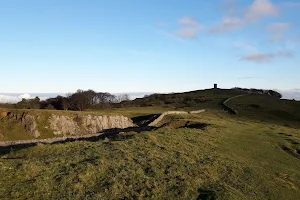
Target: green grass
[264, 108]
[194, 100]
[230, 158]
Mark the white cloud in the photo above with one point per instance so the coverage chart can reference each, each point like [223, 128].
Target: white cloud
[246, 46]
[290, 94]
[260, 9]
[15, 98]
[235, 19]
[285, 54]
[188, 21]
[230, 7]
[266, 57]
[258, 57]
[190, 28]
[171, 35]
[24, 96]
[279, 26]
[5, 98]
[187, 33]
[228, 24]
[278, 29]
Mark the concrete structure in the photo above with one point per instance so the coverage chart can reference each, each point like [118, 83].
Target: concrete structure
[215, 86]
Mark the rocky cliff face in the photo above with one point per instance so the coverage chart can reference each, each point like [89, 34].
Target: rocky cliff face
[26, 120]
[95, 124]
[63, 125]
[91, 124]
[30, 125]
[35, 123]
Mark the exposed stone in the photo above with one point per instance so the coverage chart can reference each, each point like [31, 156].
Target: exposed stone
[13, 116]
[155, 122]
[197, 111]
[95, 124]
[30, 125]
[63, 125]
[26, 120]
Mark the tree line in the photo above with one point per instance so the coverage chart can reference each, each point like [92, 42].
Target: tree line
[78, 101]
[259, 91]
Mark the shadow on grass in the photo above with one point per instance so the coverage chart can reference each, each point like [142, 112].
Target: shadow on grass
[188, 124]
[144, 120]
[111, 134]
[206, 195]
[291, 152]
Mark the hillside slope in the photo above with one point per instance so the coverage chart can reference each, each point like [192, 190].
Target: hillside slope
[211, 155]
[194, 100]
[267, 108]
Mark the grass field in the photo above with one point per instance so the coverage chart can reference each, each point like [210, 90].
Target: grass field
[264, 108]
[219, 156]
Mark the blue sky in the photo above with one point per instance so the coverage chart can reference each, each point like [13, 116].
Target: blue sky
[59, 46]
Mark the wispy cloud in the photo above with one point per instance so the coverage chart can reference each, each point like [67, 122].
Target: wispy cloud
[290, 4]
[249, 77]
[189, 28]
[188, 21]
[279, 26]
[266, 57]
[258, 57]
[228, 24]
[170, 35]
[235, 19]
[6, 98]
[230, 7]
[188, 33]
[287, 54]
[261, 9]
[246, 46]
[162, 24]
[278, 30]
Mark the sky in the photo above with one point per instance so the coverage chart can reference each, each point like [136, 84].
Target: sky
[60, 46]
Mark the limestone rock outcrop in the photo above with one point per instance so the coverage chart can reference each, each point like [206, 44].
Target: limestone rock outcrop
[26, 120]
[91, 124]
[30, 125]
[63, 125]
[95, 124]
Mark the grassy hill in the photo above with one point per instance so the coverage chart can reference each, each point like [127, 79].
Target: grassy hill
[267, 108]
[216, 156]
[211, 155]
[200, 99]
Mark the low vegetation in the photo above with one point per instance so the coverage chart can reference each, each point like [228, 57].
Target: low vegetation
[210, 155]
[220, 157]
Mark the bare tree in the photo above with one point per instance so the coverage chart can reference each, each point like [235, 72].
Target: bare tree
[122, 97]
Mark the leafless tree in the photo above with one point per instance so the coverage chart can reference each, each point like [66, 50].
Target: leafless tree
[122, 97]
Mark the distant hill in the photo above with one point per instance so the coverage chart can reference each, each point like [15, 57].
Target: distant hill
[256, 104]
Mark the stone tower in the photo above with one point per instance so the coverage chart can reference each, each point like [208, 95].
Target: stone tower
[215, 86]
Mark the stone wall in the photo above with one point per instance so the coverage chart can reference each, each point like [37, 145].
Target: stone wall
[229, 108]
[160, 118]
[197, 111]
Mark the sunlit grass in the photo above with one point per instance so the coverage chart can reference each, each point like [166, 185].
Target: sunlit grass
[232, 158]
